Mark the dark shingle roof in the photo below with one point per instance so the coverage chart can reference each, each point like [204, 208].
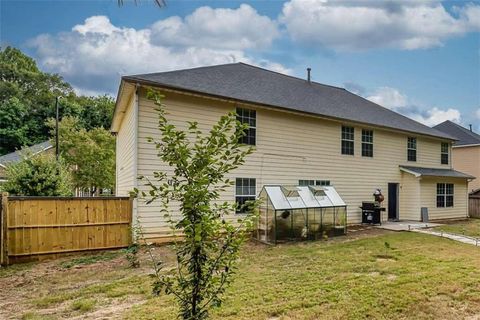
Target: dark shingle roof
[17, 155]
[434, 172]
[248, 83]
[464, 136]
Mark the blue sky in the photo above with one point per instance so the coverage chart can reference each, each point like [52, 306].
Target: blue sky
[420, 58]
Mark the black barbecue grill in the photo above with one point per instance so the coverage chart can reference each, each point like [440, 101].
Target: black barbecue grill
[371, 213]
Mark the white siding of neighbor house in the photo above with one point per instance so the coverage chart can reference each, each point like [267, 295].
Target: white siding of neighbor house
[126, 151]
[289, 147]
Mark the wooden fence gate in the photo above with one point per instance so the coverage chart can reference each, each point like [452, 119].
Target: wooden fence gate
[36, 227]
[474, 206]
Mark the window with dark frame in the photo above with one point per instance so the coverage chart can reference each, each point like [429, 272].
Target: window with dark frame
[444, 153]
[245, 190]
[445, 195]
[348, 138]
[412, 149]
[313, 182]
[367, 143]
[249, 117]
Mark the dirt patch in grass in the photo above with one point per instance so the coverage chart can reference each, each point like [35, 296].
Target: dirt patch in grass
[425, 277]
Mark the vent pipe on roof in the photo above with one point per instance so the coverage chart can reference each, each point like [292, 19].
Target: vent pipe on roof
[308, 74]
[471, 128]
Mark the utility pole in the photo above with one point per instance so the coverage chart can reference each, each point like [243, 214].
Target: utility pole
[57, 150]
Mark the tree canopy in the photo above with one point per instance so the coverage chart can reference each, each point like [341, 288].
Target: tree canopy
[38, 175]
[90, 154]
[27, 100]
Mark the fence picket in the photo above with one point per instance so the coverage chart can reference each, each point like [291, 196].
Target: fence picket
[34, 227]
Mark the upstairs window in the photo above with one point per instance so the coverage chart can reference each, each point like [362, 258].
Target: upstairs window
[412, 149]
[444, 153]
[348, 138]
[249, 117]
[313, 182]
[245, 190]
[444, 195]
[367, 143]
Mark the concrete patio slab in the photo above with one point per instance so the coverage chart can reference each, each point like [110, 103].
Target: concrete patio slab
[406, 225]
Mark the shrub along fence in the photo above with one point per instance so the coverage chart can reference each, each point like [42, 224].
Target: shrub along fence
[33, 228]
[474, 206]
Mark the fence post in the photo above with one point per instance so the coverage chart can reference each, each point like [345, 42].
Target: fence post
[4, 229]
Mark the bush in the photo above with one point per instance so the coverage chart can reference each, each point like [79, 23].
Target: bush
[39, 175]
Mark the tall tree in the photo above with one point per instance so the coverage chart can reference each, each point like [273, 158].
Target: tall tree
[89, 154]
[24, 86]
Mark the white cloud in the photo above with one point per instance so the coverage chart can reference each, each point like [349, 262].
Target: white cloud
[241, 28]
[399, 102]
[435, 116]
[96, 24]
[388, 97]
[93, 55]
[364, 24]
[478, 114]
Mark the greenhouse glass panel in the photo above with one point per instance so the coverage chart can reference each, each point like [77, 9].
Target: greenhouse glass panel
[300, 213]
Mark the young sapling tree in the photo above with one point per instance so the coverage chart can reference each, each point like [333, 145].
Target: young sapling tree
[208, 250]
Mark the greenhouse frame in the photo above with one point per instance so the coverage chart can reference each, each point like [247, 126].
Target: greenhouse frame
[293, 213]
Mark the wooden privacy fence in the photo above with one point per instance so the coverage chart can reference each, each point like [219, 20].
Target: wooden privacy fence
[37, 227]
[474, 206]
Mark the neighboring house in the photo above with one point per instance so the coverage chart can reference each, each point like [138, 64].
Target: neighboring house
[18, 156]
[465, 151]
[304, 133]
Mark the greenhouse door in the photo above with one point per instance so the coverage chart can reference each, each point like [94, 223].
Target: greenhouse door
[393, 201]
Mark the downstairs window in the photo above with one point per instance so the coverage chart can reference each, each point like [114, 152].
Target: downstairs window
[444, 195]
[245, 190]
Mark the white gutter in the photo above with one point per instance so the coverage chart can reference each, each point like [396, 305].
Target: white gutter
[416, 174]
[467, 145]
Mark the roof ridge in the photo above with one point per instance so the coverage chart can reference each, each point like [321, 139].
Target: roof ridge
[290, 76]
[177, 70]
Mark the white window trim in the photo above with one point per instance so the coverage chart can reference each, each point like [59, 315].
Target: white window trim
[444, 195]
[253, 127]
[349, 140]
[370, 143]
[416, 149]
[235, 195]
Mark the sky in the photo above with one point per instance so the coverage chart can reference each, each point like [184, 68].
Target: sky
[420, 58]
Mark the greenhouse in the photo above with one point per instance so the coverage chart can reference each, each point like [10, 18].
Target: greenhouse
[293, 213]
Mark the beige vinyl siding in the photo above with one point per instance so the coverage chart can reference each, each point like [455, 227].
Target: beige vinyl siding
[409, 206]
[289, 147]
[126, 151]
[467, 160]
[428, 187]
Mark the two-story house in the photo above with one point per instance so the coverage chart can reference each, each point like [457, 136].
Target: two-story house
[304, 133]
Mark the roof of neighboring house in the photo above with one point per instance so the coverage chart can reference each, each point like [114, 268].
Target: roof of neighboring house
[465, 136]
[17, 155]
[251, 84]
[434, 172]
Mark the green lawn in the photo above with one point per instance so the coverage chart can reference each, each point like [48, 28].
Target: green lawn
[425, 277]
[469, 228]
